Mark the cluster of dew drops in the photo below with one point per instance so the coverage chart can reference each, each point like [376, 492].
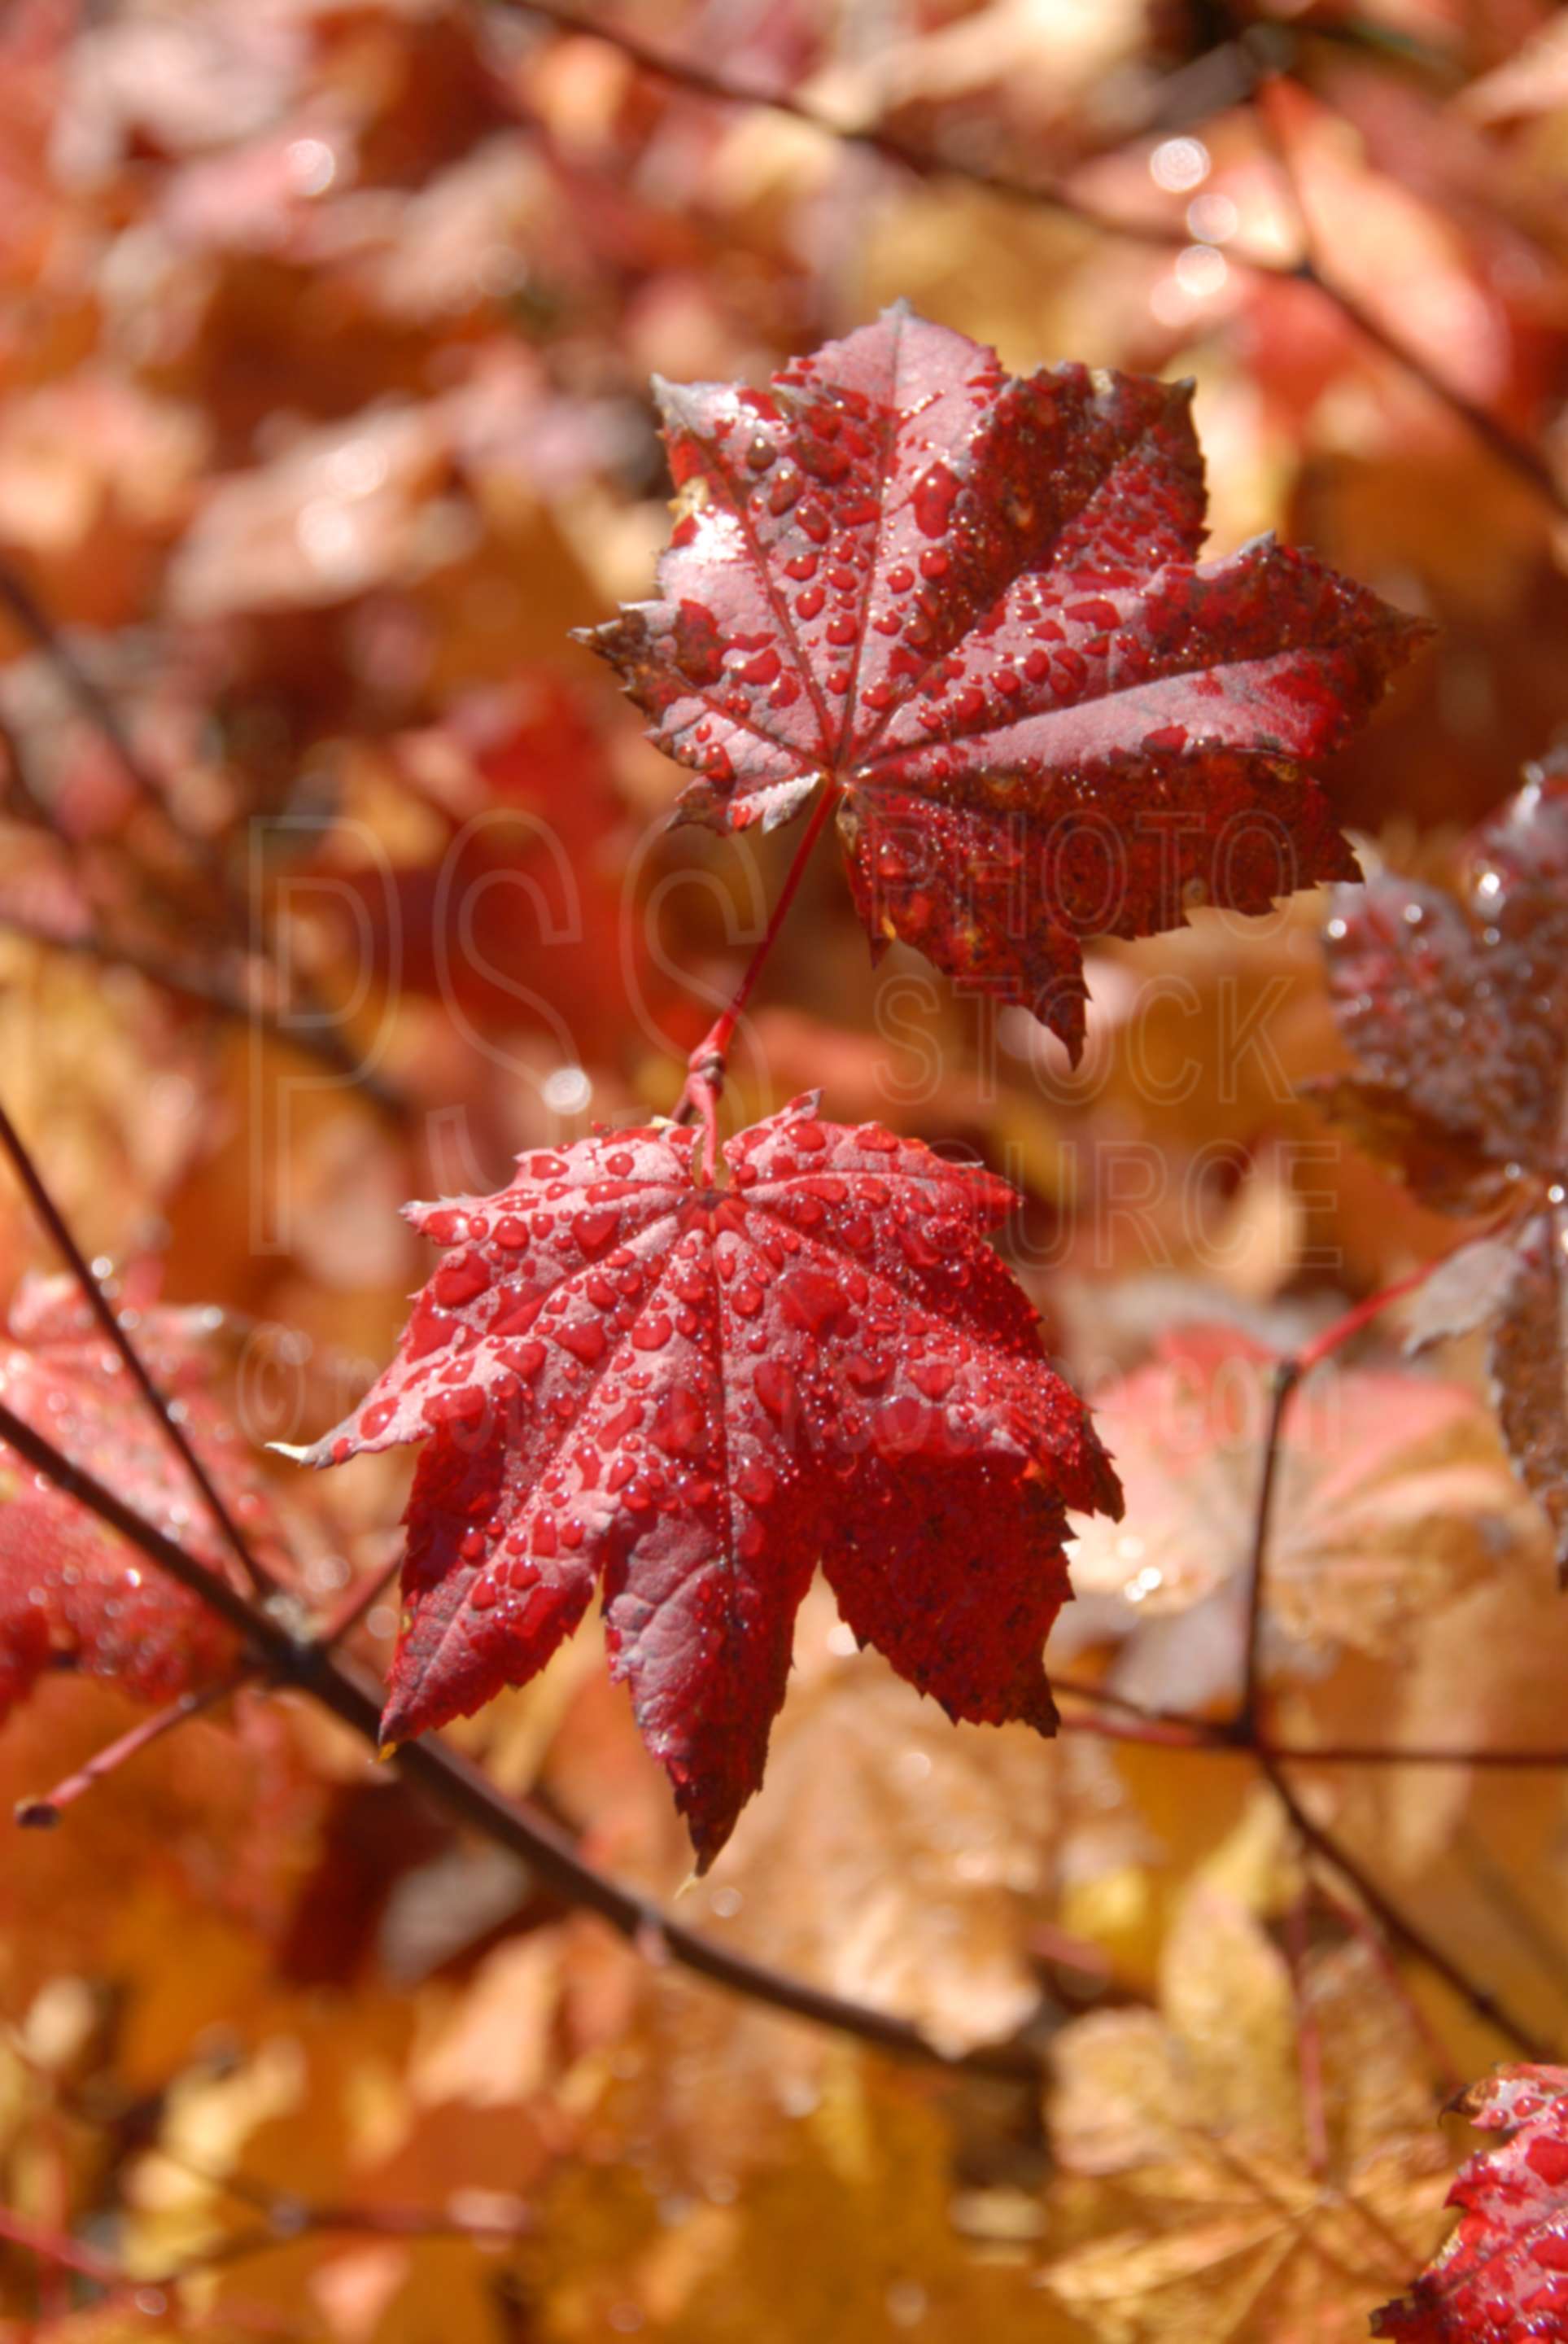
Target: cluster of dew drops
[1054, 647]
[785, 1349]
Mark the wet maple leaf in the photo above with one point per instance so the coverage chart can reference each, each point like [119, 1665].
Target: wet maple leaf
[1503, 2277]
[1455, 1006]
[973, 605]
[689, 1394]
[74, 1594]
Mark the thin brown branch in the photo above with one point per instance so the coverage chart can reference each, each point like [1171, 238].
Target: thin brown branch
[1105, 1697]
[1394, 1753]
[1398, 1924]
[37, 1192]
[722, 89]
[55, 2247]
[1173, 1730]
[36, 623]
[1494, 434]
[52, 642]
[355, 1601]
[196, 985]
[1148, 1731]
[1051, 195]
[43, 1813]
[354, 1697]
[1286, 1375]
[1350, 1918]
[1315, 1836]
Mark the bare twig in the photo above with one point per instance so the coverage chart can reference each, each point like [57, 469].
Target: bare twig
[108, 1319]
[1494, 435]
[1040, 193]
[50, 640]
[35, 622]
[354, 1697]
[188, 983]
[355, 1601]
[1399, 1924]
[1317, 1837]
[55, 2247]
[41, 1813]
[1286, 1375]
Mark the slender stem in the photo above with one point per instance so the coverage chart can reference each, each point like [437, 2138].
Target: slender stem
[1309, 2039]
[705, 1069]
[1227, 1739]
[703, 81]
[1343, 1330]
[354, 1697]
[1149, 1731]
[1082, 1689]
[1351, 1918]
[198, 1577]
[104, 1311]
[1373, 1754]
[1039, 194]
[1268, 90]
[189, 983]
[1286, 1375]
[55, 2247]
[1480, 1999]
[1400, 1927]
[355, 1601]
[35, 621]
[43, 1813]
[357, 2221]
[29, 613]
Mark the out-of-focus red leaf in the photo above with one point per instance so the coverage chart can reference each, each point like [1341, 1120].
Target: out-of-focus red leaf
[72, 1593]
[1454, 1006]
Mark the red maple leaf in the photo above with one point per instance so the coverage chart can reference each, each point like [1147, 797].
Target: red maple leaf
[74, 1594]
[973, 606]
[1503, 2277]
[689, 1394]
[1456, 1009]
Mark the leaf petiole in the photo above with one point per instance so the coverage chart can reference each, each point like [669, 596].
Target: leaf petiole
[704, 1068]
